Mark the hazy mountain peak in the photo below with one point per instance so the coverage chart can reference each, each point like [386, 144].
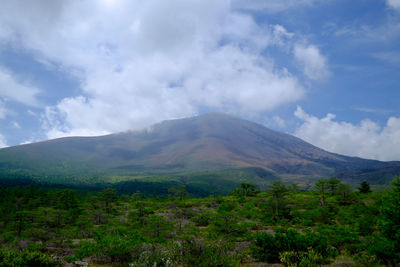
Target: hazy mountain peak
[208, 142]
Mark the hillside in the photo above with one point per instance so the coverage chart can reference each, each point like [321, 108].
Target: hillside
[203, 149]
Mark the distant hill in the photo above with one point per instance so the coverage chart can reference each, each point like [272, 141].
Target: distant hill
[209, 151]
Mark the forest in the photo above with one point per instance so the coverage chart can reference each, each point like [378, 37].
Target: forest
[331, 224]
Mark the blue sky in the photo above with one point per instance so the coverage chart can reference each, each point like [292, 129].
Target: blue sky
[326, 71]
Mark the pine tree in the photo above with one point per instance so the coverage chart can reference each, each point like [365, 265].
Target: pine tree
[364, 188]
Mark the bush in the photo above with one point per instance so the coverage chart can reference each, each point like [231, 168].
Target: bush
[198, 253]
[265, 248]
[364, 259]
[114, 245]
[203, 219]
[245, 190]
[383, 249]
[366, 225]
[188, 252]
[341, 237]
[26, 259]
[152, 255]
[157, 228]
[389, 222]
[310, 258]
[268, 247]
[386, 245]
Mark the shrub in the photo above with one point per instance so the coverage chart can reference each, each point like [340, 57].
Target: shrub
[268, 247]
[188, 252]
[245, 190]
[265, 248]
[152, 255]
[383, 249]
[341, 237]
[203, 219]
[26, 259]
[364, 259]
[310, 258]
[364, 188]
[199, 253]
[110, 246]
[389, 222]
[366, 225]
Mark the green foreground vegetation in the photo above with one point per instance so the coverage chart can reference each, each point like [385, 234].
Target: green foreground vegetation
[332, 224]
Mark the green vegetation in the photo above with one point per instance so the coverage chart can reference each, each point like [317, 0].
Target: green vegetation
[154, 183]
[281, 224]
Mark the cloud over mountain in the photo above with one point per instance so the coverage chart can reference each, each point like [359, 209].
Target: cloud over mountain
[366, 139]
[313, 63]
[14, 90]
[141, 62]
[394, 4]
[2, 141]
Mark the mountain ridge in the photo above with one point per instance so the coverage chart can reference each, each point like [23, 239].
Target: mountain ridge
[213, 142]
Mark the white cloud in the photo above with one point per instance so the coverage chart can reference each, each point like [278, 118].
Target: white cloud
[140, 62]
[279, 121]
[281, 36]
[374, 110]
[3, 110]
[15, 90]
[395, 4]
[312, 61]
[271, 5]
[15, 125]
[384, 33]
[392, 57]
[366, 140]
[3, 142]
[27, 142]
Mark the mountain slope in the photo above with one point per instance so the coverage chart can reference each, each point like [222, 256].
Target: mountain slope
[193, 147]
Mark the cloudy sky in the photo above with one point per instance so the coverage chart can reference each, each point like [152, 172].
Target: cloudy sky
[327, 71]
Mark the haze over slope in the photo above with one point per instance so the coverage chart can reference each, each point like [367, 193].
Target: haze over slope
[212, 142]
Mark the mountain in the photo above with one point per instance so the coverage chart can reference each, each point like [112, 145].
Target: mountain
[209, 151]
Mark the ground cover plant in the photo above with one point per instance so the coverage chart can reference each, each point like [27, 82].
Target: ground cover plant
[325, 225]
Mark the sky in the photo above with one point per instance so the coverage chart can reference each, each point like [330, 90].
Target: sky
[326, 71]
